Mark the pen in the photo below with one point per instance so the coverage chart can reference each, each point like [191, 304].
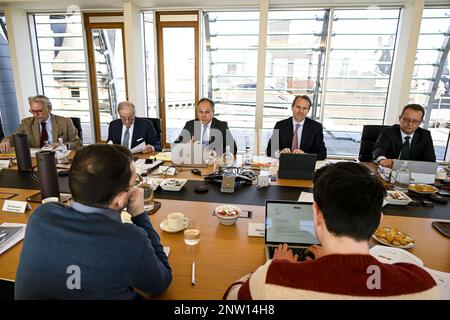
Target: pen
[193, 273]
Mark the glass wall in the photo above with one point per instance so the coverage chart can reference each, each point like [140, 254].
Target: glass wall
[430, 85]
[294, 64]
[61, 58]
[360, 61]
[149, 40]
[230, 62]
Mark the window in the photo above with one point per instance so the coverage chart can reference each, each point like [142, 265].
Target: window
[294, 63]
[149, 40]
[359, 68]
[230, 63]
[430, 85]
[9, 115]
[61, 59]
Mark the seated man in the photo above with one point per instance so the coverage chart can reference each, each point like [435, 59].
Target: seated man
[85, 251]
[130, 131]
[207, 129]
[347, 210]
[405, 141]
[307, 137]
[44, 126]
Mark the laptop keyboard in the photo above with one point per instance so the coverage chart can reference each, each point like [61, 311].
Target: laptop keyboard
[301, 252]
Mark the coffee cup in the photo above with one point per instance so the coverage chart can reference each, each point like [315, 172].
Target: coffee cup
[176, 220]
[50, 199]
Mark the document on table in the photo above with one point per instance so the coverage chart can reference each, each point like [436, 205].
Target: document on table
[395, 255]
[306, 197]
[10, 234]
[138, 148]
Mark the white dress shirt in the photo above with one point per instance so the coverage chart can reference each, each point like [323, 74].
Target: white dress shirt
[131, 134]
[299, 131]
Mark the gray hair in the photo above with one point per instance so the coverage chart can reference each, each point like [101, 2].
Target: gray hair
[41, 99]
[124, 104]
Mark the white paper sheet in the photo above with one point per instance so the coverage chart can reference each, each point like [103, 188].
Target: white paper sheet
[306, 197]
[138, 148]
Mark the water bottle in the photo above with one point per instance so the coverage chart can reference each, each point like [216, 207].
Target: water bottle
[247, 159]
[402, 178]
[47, 146]
[62, 154]
[228, 158]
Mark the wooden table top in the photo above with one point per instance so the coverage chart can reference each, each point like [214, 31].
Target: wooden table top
[226, 253]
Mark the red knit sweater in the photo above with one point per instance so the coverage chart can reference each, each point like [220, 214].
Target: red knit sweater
[337, 277]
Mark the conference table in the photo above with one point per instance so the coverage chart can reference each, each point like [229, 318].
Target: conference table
[226, 253]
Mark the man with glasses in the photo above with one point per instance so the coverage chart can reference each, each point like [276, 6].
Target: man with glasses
[130, 131]
[406, 140]
[44, 126]
[85, 251]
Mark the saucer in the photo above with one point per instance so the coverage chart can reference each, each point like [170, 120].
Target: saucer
[165, 226]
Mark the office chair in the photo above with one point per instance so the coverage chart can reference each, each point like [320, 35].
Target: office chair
[77, 124]
[157, 125]
[6, 290]
[368, 138]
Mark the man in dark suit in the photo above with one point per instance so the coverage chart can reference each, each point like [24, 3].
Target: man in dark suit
[307, 137]
[207, 129]
[405, 140]
[130, 131]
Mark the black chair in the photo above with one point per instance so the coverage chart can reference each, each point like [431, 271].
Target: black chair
[77, 124]
[368, 138]
[6, 290]
[157, 125]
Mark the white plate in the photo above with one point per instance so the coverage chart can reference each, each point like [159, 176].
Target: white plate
[412, 188]
[171, 184]
[156, 182]
[387, 243]
[402, 201]
[165, 226]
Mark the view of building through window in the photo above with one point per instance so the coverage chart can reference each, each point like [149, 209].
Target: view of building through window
[61, 52]
[430, 85]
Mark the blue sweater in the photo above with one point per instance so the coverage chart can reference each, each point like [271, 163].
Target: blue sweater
[113, 257]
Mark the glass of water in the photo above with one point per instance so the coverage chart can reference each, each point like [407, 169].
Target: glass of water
[192, 233]
[148, 194]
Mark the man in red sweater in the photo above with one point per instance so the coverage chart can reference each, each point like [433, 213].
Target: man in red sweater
[347, 210]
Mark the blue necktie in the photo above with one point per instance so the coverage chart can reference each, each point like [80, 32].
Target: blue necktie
[205, 139]
[126, 138]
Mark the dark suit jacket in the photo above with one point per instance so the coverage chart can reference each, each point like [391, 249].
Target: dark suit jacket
[389, 144]
[311, 141]
[143, 131]
[192, 128]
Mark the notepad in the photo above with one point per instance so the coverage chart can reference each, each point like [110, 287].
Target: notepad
[164, 156]
[306, 197]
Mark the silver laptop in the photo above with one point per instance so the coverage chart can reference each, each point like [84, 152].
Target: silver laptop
[289, 222]
[188, 155]
[421, 171]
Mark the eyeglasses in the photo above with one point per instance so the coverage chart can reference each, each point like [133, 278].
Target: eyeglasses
[412, 121]
[36, 111]
[127, 119]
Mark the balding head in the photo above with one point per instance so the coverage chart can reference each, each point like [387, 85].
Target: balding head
[127, 113]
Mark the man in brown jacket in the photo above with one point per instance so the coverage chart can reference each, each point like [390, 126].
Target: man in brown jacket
[45, 126]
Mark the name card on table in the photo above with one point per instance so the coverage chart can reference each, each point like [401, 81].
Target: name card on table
[256, 229]
[16, 206]
[4, 164]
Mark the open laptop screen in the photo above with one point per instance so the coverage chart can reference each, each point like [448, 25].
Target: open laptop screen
[289, 222]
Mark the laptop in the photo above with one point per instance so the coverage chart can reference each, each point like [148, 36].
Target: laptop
[289, 222]
[188, 155]
[421, 171]
[298, 166]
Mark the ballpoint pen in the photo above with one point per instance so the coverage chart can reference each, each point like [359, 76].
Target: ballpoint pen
[193, 273]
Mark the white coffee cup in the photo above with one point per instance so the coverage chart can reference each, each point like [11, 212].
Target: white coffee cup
[176, 220]
[50, 199]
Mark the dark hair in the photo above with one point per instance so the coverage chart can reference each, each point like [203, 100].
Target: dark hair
[415, 107]
[304, 97]
[99, 172]
[351, 199]
[211, 103]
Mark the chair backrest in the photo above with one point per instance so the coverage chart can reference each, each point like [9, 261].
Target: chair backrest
[157, 125]
[368, 138]
[77, 124]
